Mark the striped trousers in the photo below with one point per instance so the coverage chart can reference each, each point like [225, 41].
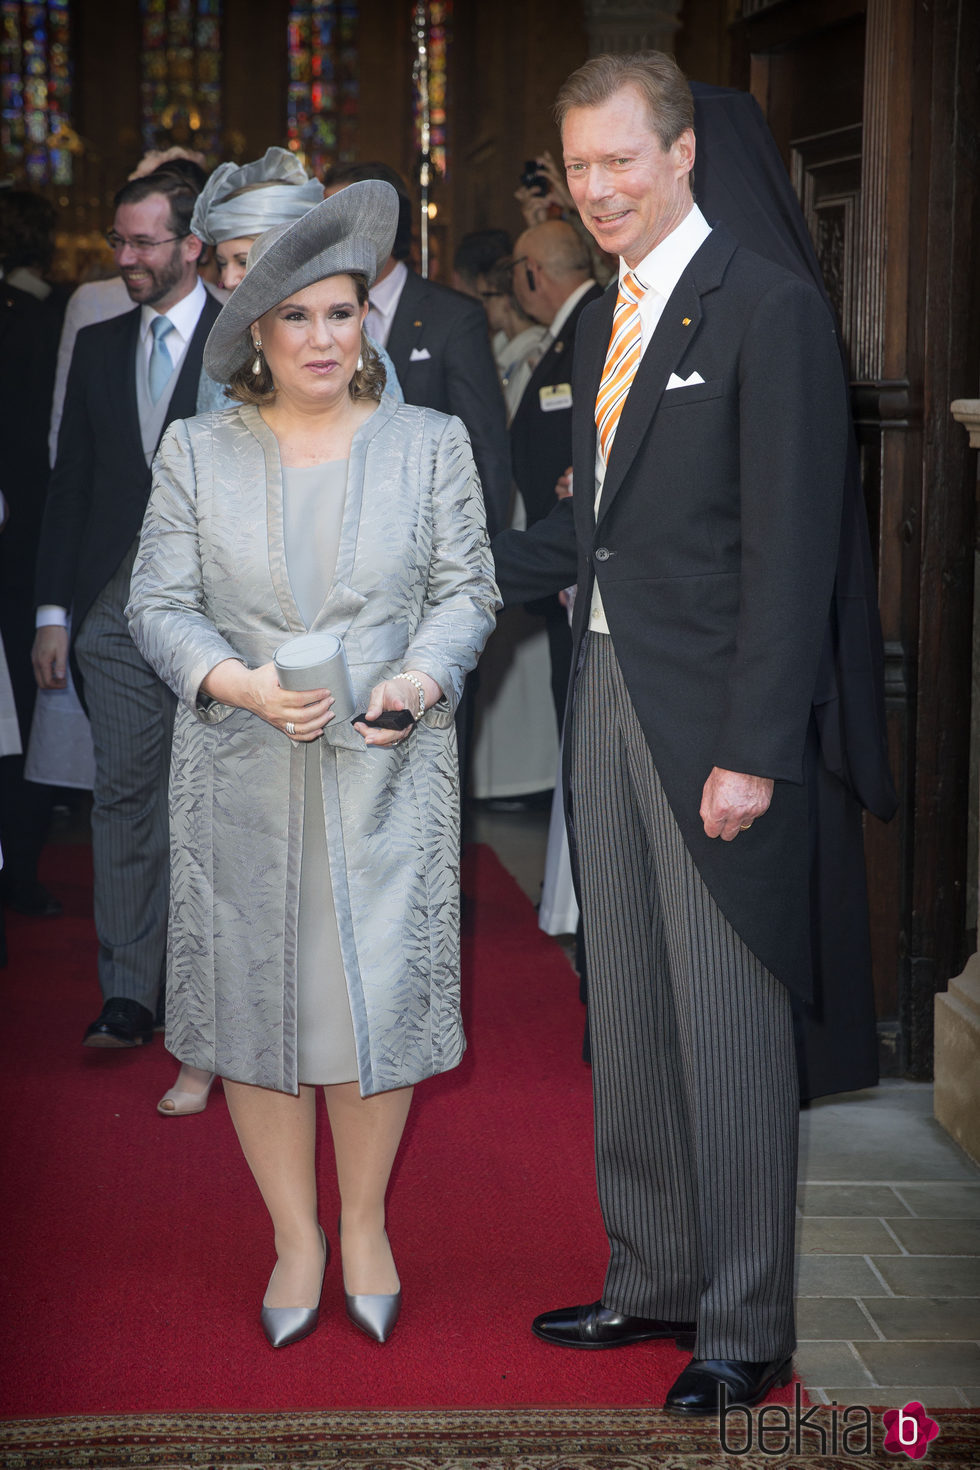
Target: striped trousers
[132, 713]
[694, 1071]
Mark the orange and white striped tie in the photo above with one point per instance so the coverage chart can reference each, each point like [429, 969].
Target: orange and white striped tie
[622, 361]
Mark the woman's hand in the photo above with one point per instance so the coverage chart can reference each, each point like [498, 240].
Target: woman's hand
[398, 693]
[301, 715]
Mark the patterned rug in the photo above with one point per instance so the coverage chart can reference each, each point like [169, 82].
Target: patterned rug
[517, 1439]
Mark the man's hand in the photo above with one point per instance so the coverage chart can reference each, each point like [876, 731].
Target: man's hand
[563, 485]
[731, 801]
[50, 657]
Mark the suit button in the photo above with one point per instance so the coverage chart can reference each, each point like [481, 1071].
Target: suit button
[602, 553]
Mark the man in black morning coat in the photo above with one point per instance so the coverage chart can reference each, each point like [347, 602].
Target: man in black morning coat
[724, 711]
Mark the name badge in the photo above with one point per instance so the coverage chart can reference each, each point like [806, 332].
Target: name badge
[557, 396]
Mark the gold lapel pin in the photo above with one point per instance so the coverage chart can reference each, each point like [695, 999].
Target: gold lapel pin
[686, 322]
[417, 324]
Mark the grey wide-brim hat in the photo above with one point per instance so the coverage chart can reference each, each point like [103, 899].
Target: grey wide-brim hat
[353, 230]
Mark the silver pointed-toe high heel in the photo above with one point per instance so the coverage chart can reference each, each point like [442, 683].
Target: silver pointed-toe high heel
[374, 1314]
[284, 1325]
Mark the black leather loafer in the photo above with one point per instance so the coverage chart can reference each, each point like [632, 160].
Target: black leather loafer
[122, 1023]
[596, 1326]
[698, 1389]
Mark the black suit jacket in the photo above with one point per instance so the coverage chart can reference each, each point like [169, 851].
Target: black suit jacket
[454, 372]
[101, 482]
[716, 550]
[541, 441]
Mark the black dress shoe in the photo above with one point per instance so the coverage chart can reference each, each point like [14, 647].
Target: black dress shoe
[32, 899]
[698, 1389]
[122, 1023]
[596, 1326]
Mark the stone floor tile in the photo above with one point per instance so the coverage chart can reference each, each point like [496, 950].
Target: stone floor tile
[939, 1276]
[937, 1237]
[846, 1235]
[850, 1199]
[935, 1397]
[831, 1319]
[971, 1393]
[839, 1276]
[919, 1362]
[879, 1136]
[830, 1364]
[923, 1319]
[934, 1200]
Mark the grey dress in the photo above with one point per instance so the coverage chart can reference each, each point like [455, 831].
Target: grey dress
[313, 510]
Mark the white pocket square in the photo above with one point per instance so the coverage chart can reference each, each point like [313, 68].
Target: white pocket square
[675, 382]
[420, 354]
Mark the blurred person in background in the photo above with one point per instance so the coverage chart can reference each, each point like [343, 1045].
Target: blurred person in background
[31, 312]
[476, 252]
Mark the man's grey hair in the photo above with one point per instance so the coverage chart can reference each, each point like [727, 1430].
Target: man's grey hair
[654, 74]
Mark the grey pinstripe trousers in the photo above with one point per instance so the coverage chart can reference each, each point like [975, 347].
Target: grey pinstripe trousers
[694, 1072]
[132, 713]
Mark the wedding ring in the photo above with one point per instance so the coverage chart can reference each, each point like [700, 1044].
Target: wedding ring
[745, 826]
[290, 728]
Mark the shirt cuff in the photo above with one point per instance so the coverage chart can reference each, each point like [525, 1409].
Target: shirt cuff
[49, 615]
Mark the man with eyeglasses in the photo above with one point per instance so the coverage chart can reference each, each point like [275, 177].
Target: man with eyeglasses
[129, 378]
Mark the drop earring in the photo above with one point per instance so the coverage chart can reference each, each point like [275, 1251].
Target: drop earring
[360, 362]
[257, 364]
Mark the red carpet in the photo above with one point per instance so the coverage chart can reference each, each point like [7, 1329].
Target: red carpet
[136, 1249]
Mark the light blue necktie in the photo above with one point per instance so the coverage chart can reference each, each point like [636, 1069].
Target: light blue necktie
[161, 363]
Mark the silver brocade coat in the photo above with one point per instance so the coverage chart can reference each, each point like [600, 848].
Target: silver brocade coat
[413, 589]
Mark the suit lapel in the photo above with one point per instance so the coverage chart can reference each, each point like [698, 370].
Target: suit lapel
[672, 337]
[590, 355]
[674, 333]
[407, 324]
[120, 371]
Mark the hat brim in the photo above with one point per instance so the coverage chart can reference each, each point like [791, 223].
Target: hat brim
[353, 230]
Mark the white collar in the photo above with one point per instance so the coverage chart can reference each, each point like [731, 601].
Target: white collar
[663, 267]
[184, 313]
[568, 306]
[385, 294]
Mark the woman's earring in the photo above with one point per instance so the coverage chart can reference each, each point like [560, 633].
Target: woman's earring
[360, 362]
[257, 364]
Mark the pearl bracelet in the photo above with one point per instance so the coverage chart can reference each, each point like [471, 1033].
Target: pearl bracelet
[419, 689]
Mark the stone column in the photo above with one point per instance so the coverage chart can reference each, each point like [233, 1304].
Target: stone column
[631, 25]
[956, 1098]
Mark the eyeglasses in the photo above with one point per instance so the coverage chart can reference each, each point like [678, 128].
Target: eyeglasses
[139, 246]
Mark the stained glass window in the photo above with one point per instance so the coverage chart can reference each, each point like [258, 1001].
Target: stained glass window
[180, 92]
[322, 97]
[439, 15]
[36, 90]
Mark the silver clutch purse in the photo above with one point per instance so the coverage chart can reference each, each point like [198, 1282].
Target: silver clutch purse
[317, 661]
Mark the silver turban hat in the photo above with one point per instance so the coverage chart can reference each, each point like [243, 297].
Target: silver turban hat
[277, 192]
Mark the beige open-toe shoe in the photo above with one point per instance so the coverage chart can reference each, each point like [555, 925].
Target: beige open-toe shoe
[177, 1102]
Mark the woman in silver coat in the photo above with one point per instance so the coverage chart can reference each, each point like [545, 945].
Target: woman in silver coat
[314, 927]
[239, 203]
